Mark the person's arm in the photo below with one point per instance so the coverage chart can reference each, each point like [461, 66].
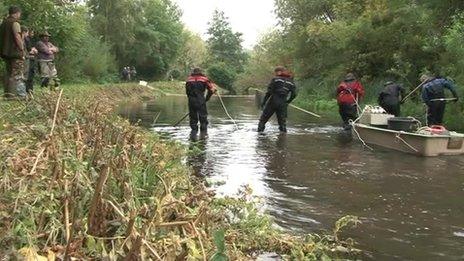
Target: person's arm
[187, 88]
[17, 36]
[360, 90]
[425, 96]
[450, 86]
[211, 90]
[402, 92]
[380, 98]
[338, 90]
[42, 48]
[53, 48]
[293, 94]
[268, 94]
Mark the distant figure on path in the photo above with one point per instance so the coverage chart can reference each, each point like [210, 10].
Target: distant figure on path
[390, 98]
[349, 92]
[196, 86]
[433, 93]
[133, 73]
[280, 93]
[12, 52]
[125, 74]
[46, 59]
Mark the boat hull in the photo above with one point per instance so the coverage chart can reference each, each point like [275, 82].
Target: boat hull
[419, 144]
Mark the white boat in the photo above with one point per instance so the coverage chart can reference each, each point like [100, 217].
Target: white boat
[422, 143]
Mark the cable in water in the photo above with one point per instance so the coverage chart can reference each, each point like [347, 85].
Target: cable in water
[225, 109]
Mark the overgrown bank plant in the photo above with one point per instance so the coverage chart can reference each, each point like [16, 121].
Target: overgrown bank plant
[80, 182]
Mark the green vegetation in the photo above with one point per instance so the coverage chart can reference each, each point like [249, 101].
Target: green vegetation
[379, 40]
[100, 37]
[226, 56]
[192, 54]
[83, 56]
[223, 75]
[78, 181]
[144, 34]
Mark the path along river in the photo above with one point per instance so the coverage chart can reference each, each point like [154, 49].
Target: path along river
[412, 208]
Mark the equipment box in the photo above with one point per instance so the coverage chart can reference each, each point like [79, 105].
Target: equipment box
[378, 119]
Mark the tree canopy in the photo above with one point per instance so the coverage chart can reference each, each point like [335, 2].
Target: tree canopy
[97, 37]
[145, 33]
[376, 39]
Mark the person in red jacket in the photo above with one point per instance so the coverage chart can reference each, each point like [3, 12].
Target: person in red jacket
[349, 92]
[196, 86]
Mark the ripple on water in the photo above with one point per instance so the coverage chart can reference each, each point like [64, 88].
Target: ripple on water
[323, 129]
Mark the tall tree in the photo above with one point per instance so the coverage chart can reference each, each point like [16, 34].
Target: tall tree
[224, 45]
[192, 54]
[115, 21]
[144, 33]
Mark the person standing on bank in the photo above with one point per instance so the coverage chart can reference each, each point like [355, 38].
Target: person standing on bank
[433, 95]
[280, 93]
[12, 52]
[46, 58]
[196, 86]
[390, 98]
[349, 92]
[30, 65]
[133, 73]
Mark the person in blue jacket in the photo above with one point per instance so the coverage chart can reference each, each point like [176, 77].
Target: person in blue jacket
[433, 95]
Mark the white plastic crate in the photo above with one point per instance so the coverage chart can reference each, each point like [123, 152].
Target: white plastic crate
[378, 119]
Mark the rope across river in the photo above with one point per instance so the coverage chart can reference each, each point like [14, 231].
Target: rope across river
[225, 109]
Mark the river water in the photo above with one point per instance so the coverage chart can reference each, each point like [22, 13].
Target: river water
[411, 208]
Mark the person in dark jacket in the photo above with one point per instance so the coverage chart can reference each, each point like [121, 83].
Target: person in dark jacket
[196, 86]
[280, 93]
[31, 61]
[433, 95]
[125, 74]
[133, 73]
[390, 98]
[349, 92]
[12, 52]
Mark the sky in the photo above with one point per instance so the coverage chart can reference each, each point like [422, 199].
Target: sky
[250, 17]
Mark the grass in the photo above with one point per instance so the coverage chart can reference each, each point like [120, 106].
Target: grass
[80, 182]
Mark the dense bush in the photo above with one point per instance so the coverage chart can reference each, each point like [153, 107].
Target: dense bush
[222, 75]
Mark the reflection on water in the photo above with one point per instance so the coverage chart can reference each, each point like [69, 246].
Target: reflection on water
[412, 208]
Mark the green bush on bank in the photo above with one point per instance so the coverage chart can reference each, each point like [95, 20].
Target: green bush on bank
[223, 75]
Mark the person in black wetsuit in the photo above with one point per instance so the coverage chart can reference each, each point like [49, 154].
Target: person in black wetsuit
[280, 92]
[433, 91]
[196, 86]
[390, 98]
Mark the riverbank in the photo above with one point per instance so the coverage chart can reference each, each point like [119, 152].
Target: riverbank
[79, 181]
